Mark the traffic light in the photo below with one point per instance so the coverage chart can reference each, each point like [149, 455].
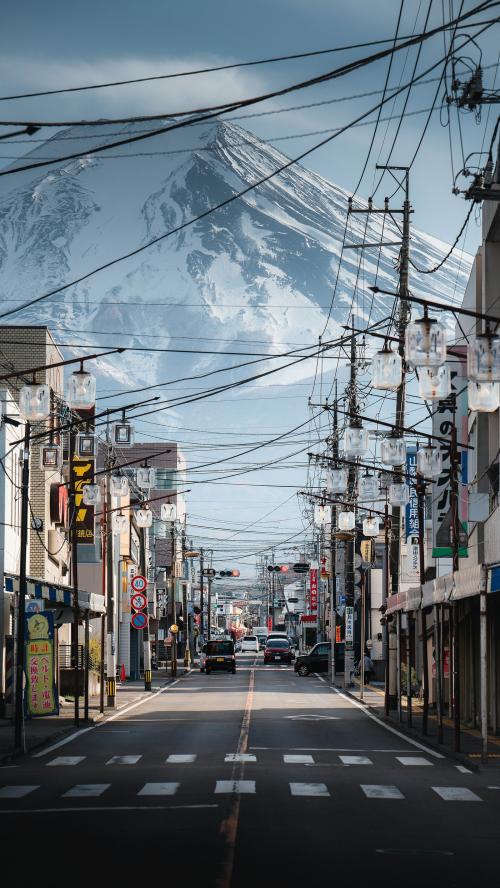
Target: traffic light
[229, 573]
[277, 568]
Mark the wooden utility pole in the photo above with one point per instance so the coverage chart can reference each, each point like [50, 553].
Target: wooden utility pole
[421, 561]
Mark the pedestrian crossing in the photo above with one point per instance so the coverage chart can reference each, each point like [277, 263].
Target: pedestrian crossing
[406, 761]
[243, 787]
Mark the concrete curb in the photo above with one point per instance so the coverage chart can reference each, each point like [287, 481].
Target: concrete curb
[8, 757]
[415, 735]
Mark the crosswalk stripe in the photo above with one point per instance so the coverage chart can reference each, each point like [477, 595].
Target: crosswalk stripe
[158, 789]
[66, 760]
[319, 790]
[86, 790]
[456, 794]
[16, 792]
[413, 760]
[298, 760]
[355, 760]
[239, 787]
[185, 759]
[123, 759]
[376, 791]
[240, 757]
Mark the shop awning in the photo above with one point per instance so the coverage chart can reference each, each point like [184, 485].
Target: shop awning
[469, 581]
[57, 594]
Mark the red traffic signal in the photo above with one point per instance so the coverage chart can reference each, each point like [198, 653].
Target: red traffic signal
[278, 568]
[229, 573]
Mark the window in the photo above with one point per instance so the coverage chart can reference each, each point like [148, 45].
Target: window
[322, 650]
[219, 647]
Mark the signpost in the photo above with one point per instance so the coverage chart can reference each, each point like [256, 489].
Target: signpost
[139, 620]
[138, 601]
[139, 583]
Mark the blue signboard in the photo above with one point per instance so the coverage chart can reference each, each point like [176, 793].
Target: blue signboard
[411, 520]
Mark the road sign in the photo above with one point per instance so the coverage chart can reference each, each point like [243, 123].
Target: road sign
[139, 583]
[139, 620]
[174, 629]
[138, 601]
[209, 572]
[301, 567]
[349, 623]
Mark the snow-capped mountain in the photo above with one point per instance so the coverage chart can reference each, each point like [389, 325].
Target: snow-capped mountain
[262, 268]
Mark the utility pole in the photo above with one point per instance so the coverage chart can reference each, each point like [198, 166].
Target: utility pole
[387, 541]
[110, 594]
[349, 546]
[21, 608]
[209, 608]
[202, 597]
[74, 574]
[333, 544]
[173, 649]
[455, 525]
[146, 642]
[421, 560]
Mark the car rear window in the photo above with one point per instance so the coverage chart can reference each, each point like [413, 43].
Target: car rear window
[219, 647]
[250, 638]
[278, 643]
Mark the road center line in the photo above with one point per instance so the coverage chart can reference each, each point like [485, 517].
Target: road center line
[229, 826]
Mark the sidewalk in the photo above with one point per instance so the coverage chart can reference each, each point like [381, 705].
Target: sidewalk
[39, 731]
[470, 738]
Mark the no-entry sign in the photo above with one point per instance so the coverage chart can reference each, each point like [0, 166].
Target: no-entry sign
[139, 620]
[138, 601]
[139, 583]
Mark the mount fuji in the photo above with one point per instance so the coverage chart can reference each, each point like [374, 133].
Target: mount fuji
[262, 268]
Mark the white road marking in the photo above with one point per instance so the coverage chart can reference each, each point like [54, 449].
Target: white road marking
[355, 760]
[86, 790]
[493, 787]
[16, 792]
[456, 794]
[413, 760]
[123, 759]
[66, 760]
[240, 757]
[319, 790]
[311, 717]
[181, 759]
[375, 791]
[382, 724]
[298, 760]
[463, 769]
[102, 809]
[155, 789]
[235, 786]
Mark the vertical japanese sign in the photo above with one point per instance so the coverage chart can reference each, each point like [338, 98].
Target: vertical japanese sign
[449, 411]
[83, 473]
[313, 590]
[40, 695]
[349, 624]
[412, 529]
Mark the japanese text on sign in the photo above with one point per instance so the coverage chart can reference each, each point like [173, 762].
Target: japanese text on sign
[40, 693]
[83, 473]
[313, 590]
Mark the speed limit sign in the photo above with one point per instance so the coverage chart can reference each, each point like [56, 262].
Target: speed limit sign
[139, 583]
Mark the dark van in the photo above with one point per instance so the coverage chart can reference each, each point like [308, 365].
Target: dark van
[218, 655]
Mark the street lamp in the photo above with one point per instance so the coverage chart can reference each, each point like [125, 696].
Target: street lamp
[337, 481]
[91, 494]
[118, 485]
[425, 342]
[387, 369]
[371, 527]
[368, 487]
[145, 477]
[144, 517]
[393, 450]
[399, 494]
[347, 520]
[355, 440]
[119, 522]
[434, 383]
[484, 397]
[34, 402]
[80, 390]
[429, 461]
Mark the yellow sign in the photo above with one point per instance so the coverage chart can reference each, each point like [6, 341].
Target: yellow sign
[40, 693]
[367, 551]
[174, 628]
[191, 554]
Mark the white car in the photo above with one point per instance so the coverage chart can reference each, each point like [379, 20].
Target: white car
[250, 643]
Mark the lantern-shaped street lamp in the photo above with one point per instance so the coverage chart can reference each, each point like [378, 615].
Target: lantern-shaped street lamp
[123, 433]
[91, 494]
[337, 481]
[483, 358]
[80, 390]
[168, 511]
[387, 369]
[399, 494]
[355, 441]
[429, 461]
[484, 397]
[145, 477]
[393, 450]
[425, 342]
[434, 383]
[34, 402]
[371, 527]
[119, 522]
[144, 517]
[347, 520]
[85, 445]
[118, 485]
[368, 487]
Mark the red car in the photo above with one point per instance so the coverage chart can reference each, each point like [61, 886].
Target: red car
[278, 650]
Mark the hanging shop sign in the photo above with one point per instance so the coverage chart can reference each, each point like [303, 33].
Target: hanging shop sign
[449, 412]
[40, 694]
[313, 589]
[82, 471]
[411, 509]
[413, 557]
[349, 624]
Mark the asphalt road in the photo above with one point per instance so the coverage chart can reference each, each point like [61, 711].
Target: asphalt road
[261, 778]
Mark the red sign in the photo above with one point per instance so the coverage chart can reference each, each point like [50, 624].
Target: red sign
[138, 601]
[269, 623]
[139, 583]
[308, 618]
[313, 587]
[139, 620]
[338, 636]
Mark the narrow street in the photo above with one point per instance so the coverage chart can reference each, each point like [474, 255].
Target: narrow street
[259, 778]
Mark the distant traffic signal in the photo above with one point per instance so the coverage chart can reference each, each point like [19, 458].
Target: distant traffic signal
[229, 573]
[278, 568]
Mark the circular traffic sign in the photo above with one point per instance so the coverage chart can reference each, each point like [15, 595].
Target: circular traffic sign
[139, 583]
[139, 620]
[138, 601]
[174, 628]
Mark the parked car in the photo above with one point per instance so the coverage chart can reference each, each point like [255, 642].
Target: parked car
[249, 643]
[315, 661]
[262, 639]
[217, 655]
[278, 650]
